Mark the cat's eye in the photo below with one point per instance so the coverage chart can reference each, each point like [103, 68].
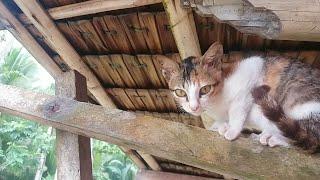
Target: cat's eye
[205, 90]
[180, 93]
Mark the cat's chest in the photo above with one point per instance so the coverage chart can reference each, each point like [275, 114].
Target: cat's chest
[218, 111]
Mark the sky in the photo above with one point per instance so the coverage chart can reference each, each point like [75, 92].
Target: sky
[7, 42]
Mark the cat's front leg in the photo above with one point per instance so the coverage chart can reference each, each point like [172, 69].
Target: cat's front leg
[238, 113]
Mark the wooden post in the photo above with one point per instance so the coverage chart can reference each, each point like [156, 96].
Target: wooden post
[73, 151]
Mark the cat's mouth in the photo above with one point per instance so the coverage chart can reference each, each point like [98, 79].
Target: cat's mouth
[198, 112]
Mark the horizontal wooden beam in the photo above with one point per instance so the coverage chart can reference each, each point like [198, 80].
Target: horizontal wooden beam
[243, 158]
[156, 175]
[95, 6]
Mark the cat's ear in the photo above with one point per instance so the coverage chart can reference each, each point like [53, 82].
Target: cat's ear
[213, 56]
[169, 67]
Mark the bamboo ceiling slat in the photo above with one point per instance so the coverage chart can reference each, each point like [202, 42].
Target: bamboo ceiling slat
[155, 96]
[147, 100]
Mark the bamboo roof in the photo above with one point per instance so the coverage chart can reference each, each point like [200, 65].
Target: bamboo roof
[120, 48]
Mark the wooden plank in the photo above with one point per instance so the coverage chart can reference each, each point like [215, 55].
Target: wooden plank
[42, 21]
[136, 99]
[28, 41]
[149, 70]
[157, 65]
[147, 21]
[112, 34]
[147, 100]
[183, 28]
[135, 69]
[121, 68]
[134, 32]
[122, 98]
[73, 151]
[73, 35]
[166, 37]
[156, 98]
[168, 100]
[112, 70]
[242, 159]
[95, 63]
[95, 6]
[91, 37]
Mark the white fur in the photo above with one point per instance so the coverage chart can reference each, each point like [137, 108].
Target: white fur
[236, 108]
[193, 96]
[302, 111]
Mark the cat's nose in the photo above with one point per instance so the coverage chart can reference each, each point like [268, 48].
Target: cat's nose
[194, 107]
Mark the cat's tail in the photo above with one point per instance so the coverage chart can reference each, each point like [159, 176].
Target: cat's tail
[298, 131]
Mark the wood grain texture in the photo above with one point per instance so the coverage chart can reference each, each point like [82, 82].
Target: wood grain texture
[243, 158]
[95, 6]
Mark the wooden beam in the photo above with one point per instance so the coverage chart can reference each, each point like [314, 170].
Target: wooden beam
[73, 151]
[95, 6]
[183, 28]
[27, 40]
[243, 158]
[42, 21]
[156, 175]
[297, 20]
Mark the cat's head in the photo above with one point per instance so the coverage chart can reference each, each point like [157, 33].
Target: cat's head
[195, 81]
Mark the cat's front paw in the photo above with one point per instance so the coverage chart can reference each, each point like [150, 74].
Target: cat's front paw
[232, 133]
[229, 132]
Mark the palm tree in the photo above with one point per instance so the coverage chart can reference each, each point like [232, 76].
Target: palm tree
[17, 68]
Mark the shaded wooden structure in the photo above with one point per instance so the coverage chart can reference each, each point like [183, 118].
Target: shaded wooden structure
[114, 45]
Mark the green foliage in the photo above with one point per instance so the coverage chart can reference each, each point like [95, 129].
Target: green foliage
[110, 163]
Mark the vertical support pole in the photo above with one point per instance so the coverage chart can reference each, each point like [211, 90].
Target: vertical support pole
[73, 151]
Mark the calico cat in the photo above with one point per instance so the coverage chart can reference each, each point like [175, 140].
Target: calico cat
[239, 94]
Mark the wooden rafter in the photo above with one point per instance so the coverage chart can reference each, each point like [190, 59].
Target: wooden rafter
[183, 28]
[155, 175]
[243, 158]
[46, 26]
[95, 6]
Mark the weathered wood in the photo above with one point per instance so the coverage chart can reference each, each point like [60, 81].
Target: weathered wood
[243, 158]
[183, 28]
[42, 21]
[95, 6]
[155, 175]
[294, 20]
[25, 38]
[73, 151]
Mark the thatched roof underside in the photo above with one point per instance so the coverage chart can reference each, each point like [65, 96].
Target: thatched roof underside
[120, 48]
